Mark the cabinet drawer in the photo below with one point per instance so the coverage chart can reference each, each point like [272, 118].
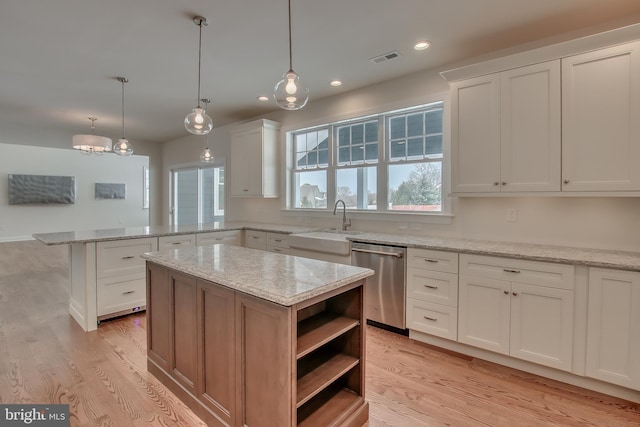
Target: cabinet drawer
[434, 319]
[285, 251]
[176, 242]
[522, 271]
[122, 257]
[255, 239]
[432, 286]
[117, 296]
[277, 240]
[218, 237]
[447, 262]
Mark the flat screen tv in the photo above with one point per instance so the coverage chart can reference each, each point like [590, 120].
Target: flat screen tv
[41, 189]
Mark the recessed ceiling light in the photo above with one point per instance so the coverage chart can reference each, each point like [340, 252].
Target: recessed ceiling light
[422, 45]
[335, 83]
[263, 98]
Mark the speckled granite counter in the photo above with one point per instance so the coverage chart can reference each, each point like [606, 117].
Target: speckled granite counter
[283, 279]
[69, 237]
[567, 255]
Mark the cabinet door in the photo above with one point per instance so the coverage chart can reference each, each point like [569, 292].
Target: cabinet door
[475, 134]
[600, 126]
[530, 128]
[184, 330]
[255, 239]
[219, 237]
[613, 335]
[246, 163]
[216, 355]
[542, 325]
[176, 242]
[483, 313]
[265, 359]
[158, 326]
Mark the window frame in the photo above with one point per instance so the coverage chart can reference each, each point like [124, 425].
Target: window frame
[382, 165]
[199, 189]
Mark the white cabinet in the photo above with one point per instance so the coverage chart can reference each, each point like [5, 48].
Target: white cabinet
[432, 292]
[233, 237]
[506, 131]
[120, 276]
[520, 308]
[600, 126]
[267, 241]
[613, 337]
[176, 241]
[254, 162]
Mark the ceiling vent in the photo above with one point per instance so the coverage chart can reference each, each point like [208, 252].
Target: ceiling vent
[385, 57]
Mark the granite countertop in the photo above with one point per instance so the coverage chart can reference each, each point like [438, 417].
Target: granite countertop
[88, 236]
[282, 279]
[547, 253]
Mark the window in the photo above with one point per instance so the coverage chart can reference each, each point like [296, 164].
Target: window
[145, 187]
[197, 196]
[390, 162]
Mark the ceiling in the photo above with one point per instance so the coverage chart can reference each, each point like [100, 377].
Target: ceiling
[59, 59]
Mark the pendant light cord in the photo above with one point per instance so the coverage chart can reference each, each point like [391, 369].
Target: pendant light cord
[199, 59]
[290, 54]
[123, 82]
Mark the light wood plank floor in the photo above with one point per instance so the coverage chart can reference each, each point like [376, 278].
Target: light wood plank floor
[46, 358]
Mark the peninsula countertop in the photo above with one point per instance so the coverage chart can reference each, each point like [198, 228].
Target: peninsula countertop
[283, 279]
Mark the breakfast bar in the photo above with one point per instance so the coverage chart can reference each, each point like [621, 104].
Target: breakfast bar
[248, 337]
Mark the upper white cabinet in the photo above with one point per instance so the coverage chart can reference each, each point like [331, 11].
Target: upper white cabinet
[254, 148]
[506, 131]
[613, 340]
[600, 120]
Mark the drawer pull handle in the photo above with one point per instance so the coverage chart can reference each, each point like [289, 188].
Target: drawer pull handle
[219, 238]
[128, 257]
[430, 260]
[277, 240]
[515, 294]
[128, 292]
[176, 243]
[430, 287]
[433, 319]
[255, 237]
[506, 292]
[509, 270]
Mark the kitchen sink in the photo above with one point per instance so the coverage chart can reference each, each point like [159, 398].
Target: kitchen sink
[327, 241]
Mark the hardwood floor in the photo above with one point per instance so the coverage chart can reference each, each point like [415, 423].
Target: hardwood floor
[45, 357]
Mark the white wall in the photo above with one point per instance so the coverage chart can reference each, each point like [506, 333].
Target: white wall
[21, 221]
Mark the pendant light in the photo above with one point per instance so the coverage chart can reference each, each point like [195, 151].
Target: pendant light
[206, 156]
[123, 147]
[290, 93]
[88, 144]
[197, 122]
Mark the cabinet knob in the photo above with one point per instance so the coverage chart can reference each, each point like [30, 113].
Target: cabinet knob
[506, 292]
[566, 181]
[504, 183]
[515, 294]
[496, 183]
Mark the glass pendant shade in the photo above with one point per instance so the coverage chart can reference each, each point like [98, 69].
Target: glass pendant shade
[290, 93]
[198, 122]
[88, 144]
[123, 147]
[207, 156]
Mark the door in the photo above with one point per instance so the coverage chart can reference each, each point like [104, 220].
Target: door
[484, 313]
[542, 325]
[600, 126]
[475, 135]
[197, 195]
[530, 136]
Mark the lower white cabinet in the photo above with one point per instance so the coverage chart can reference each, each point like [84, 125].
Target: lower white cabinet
[613, 331]
[519, 308]
[267, 241]
[277, 242]
[176, 241]
[233, 237]
[120, 276]
[255, 239]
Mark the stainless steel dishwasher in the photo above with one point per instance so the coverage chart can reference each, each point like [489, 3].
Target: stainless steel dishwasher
[385, 290]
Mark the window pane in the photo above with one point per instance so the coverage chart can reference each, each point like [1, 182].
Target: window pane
[344, 136]
[414, 125]
[312, 149]
[398, 150]
[208, 207]
[434, 145]
[433, 121]
[415, 147]
[186, 197]
[357, 153]
[397, 127]
[344, 155]
[371, 151]
[357, 134]
[415, 187]
[311, 190]
[357, 187]
[371, 132]
[323, 158]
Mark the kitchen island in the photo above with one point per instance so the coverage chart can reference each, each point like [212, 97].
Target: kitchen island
[247, 337]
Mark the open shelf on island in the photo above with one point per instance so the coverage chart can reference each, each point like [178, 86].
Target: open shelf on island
[318, 330]
[328, 408]
[324, 373]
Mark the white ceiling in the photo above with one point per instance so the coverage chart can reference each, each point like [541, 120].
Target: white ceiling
[59, 59]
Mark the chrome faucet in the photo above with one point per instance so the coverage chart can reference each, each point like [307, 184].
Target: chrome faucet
[345, 223]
